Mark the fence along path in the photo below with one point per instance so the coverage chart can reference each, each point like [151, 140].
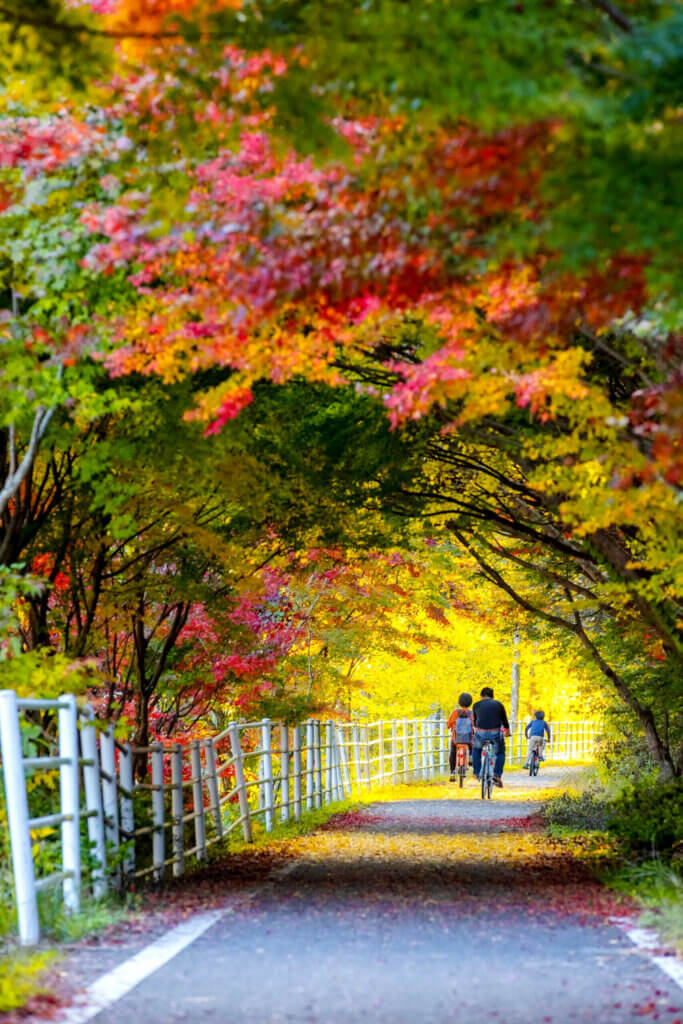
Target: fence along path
[195, 794]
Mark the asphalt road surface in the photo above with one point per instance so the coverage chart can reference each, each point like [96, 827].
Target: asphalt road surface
[428, 911]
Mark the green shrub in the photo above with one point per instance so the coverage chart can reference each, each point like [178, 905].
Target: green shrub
[649, 817]
[588, 810]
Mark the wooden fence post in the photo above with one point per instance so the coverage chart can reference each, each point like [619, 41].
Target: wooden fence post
[267, 763]
[198, 801]
[70, 800]
[296, 767]
[178, 828]
[212, 786]
[158, 836]
[93, 801]
[284, 771]
[240, 782]
[18, 818]
[126, 810]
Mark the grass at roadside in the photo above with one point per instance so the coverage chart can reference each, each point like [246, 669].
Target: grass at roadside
[634, 839]
[24, 974]
[20, 977]
[658, 888]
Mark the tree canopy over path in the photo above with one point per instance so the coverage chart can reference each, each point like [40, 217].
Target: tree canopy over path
[322, 324]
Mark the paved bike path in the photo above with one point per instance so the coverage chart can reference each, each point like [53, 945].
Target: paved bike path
[415, 911]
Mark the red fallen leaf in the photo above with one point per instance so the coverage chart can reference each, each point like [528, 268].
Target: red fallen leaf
[646, 1009]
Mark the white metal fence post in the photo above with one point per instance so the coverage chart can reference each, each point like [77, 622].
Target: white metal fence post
[346, 776]
[284, 772]
[69, 790]
[240, 782]
[18, 818]
[394, 753]
[430, 742]
[406, 759]
[212, 786]
[198, 800]
[380, 746]
[356, 755]
[309, 765]
[329, 764]
[423, 746]
[267, 762]
[158, 835]
[296, 767]
[178, 827]
[109, 794]
[317, 755]
[368, 762]
[93, 801]
[126, 806]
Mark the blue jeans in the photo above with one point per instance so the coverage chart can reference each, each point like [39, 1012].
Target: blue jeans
[480, 738]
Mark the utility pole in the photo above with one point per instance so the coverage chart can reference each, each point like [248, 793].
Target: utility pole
[514, 694]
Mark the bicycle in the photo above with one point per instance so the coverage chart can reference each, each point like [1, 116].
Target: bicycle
[462, 759]
[534, 761]
[486, 770]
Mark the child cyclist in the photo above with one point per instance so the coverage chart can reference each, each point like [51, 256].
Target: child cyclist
[461, 724]
[536, 732]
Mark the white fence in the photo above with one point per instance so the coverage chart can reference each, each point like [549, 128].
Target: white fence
[199, 792]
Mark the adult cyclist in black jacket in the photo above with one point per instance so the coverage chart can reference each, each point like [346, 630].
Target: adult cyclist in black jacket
[490, 723]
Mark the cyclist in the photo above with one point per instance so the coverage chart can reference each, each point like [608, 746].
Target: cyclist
[490, 723]
[461, 724]
[536, 732]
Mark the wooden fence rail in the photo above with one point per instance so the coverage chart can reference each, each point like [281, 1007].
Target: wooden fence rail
[187, 797]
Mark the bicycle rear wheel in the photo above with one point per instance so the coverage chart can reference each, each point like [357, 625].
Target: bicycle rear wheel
[489, 787]
[484, 771]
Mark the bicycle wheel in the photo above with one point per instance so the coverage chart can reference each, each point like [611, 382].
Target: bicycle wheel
[489, 787]
[462, 777]
[483, 773]
[531, 764]
[536, 764]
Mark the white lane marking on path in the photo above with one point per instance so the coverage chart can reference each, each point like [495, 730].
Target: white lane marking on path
[647, 940]
[117, 983]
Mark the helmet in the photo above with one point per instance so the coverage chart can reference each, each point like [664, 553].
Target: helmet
[464, 700]
[540, 714]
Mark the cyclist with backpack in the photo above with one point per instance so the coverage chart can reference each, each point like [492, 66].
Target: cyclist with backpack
[536, 732]
[461, 724]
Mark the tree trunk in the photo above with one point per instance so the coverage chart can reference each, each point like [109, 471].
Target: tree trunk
[141, 736]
